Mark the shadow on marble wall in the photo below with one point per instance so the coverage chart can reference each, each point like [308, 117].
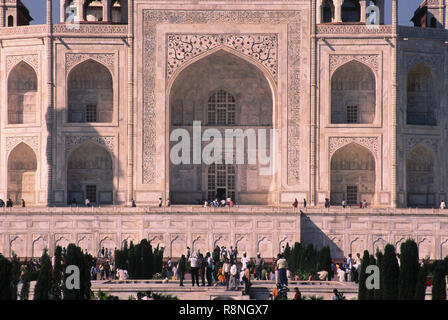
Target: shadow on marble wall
[310, 233]
[83, 163]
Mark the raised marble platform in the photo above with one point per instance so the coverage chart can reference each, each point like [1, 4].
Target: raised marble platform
[26, 231]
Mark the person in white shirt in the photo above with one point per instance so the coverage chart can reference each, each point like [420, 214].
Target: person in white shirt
[194, 269]
[349, 268]
[341, 275]
[244, 261]
[233, 277]
[209, 269]
[226, 272]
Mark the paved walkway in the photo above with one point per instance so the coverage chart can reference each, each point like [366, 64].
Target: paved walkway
[260, 289]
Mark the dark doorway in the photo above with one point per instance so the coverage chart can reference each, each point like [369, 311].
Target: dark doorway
[352, 195]
[221, 193]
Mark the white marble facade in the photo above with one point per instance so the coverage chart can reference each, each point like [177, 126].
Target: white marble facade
[89, 107]
[130, 73]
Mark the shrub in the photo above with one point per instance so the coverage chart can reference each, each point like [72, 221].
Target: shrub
[409, 268]
[390, 273]
[43, 285]
[439, 281]
[362, 289]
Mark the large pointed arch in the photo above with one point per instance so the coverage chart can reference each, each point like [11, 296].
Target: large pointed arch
[353, 94]
[90, 174]
[352, 176]
[22, 94]
[90, 93]
[22, 168]
[421, 181]
[190, 90]
[421, 96]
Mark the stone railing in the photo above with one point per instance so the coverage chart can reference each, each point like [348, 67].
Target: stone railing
[246, 209]
[98, 30]
[427, 33]
[350, 30]
[23, 31]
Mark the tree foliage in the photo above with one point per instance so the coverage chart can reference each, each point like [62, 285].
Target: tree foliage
[420, 288]
[439, 281]
[56, 286]
[307, 260]
[390, 272]
[141, 260]
[378, 294]
[6, 279]
[42, 290]
[363, 293]
[409, 268]
[84, 262]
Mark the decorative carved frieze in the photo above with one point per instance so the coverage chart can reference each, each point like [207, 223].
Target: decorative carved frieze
[432, 142]
[337, 60]
[110, 30]
[432, 60]
[259, 47]
[385, 30]
[31, 59]
[32, 141]
[41, 30]
[371, 143]
[72, 142]
[72, 59]
[151, 18]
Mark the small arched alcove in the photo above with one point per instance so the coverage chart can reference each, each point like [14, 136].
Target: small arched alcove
[352, 175]
[90, 174]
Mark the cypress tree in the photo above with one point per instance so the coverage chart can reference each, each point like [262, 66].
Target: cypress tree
[6, 281]
[371, 293]
[43, 285]
[15, 275]
[420, 288]
[325, 260]
[296, 257]
[72, 257]
[378, 293]
[309, 259]
[138, 261]
[390, 273]
[147, 259]
[439, 281]
[121, 257]
[409, 268]
[86, 283]
[131, 261]
[362, 289]
[158, 259]
[56, 291]
[287, 254]
[84, 262]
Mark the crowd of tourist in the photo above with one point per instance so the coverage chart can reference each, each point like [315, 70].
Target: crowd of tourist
[221, 267]
[224, 267]
[327, 204]
[219, 203]
[348, 270]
